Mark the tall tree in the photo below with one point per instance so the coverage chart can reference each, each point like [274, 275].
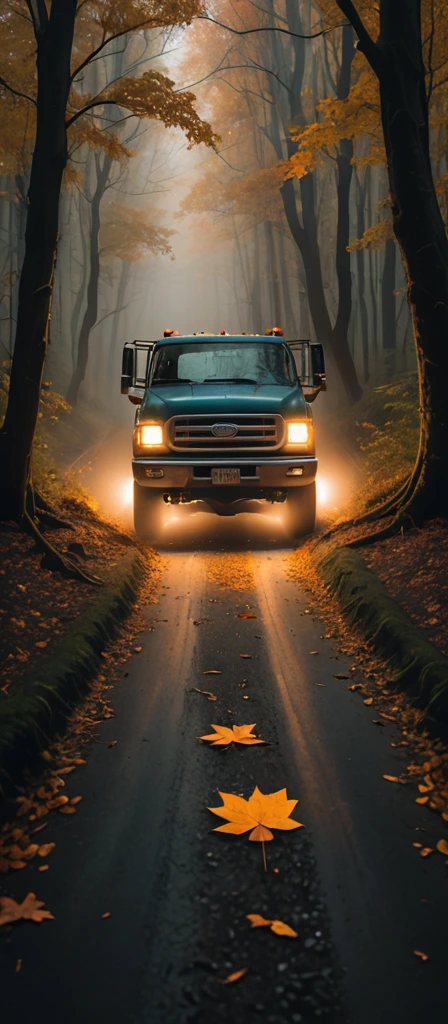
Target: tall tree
[396, 58]
[58, 106]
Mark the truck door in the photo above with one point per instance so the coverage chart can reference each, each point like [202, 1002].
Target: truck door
[134, 370]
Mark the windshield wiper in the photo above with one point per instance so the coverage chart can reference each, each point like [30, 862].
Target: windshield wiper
[174, 380]
[228, 380]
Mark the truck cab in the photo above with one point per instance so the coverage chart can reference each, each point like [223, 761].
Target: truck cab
[223, 421]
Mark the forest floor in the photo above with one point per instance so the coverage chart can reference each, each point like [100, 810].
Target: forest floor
[37, 606]
[413, 565]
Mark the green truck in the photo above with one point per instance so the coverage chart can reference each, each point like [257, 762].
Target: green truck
[223, 421]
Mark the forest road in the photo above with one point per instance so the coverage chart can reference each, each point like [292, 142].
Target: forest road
[141, 847]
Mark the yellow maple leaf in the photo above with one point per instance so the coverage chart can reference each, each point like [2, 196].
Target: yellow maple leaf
[260, 813]
[237, 734]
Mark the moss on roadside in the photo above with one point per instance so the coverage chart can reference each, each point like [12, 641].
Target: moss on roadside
[416, 664]
[45, 695]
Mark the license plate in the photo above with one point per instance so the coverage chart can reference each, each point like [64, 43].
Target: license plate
[225, 476]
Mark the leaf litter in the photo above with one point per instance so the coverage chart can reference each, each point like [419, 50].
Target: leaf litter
[237, 734]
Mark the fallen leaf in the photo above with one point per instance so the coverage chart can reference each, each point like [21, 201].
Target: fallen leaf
[442, 847]
[29, 910]
[76, 799]
[260, 813]
[278, 927]
[67, 809]
[247, 615]
[58, 801]
[17, 865]
[257, 921]
[138, 649]
[368, 701]
[212, 672]
[245, 655]
[423, 956]
[18, 965]
[107, 914]
[376, 721]
[43, 867]
[46, 755]
[391, 778]
[237, 734]
[314, 652]
[113, 743]
[426, 850]
[355, 686]
[45, 849]
[340, 675]
[41, 643]
[67, 770]
[422, 800]
[206, 693]
[233, 977]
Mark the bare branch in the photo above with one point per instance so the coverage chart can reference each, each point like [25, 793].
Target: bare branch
[15, 92]
[366, 44]
[268, 28]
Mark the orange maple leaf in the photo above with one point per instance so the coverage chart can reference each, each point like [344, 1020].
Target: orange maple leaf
[260, 813]
[222, 735]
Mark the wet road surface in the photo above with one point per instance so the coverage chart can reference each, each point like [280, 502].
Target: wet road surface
[141, 846]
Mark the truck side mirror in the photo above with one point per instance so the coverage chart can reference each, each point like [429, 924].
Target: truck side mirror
[318, 366]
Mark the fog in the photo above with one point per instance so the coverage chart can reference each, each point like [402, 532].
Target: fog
[199, 238]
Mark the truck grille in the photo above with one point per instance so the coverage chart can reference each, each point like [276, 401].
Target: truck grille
[196, 432]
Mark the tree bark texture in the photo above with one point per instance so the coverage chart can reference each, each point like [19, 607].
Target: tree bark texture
[388, 296]
[54, 36]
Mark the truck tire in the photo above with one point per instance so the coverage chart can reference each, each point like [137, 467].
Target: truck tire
[147, 509]
[301, 506]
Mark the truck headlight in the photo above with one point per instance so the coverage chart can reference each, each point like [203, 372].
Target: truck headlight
[297, 433]
[149, 434]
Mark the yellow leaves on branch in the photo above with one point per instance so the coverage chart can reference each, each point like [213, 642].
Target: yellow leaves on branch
[129, 234]
[28, 910]
[222, 735]
[261, 813]
[153, 95]
[278, 927]
[374, 237]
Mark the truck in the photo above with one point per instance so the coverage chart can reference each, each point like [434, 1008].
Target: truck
[224, 423]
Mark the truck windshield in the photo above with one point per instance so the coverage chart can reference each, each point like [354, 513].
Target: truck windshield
[211, 362]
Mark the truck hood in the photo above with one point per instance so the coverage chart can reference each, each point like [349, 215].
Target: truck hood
[161, 403]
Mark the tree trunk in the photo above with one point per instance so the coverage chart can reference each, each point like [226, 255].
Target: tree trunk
[397, 60]
[54, 42]
[306, 239]
[360, 267]
[91, 313]
[421, 235]
[388, 298]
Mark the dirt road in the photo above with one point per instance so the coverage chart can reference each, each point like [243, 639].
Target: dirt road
[141, 849]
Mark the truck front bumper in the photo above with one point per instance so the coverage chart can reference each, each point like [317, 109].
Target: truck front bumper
[256, 478]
